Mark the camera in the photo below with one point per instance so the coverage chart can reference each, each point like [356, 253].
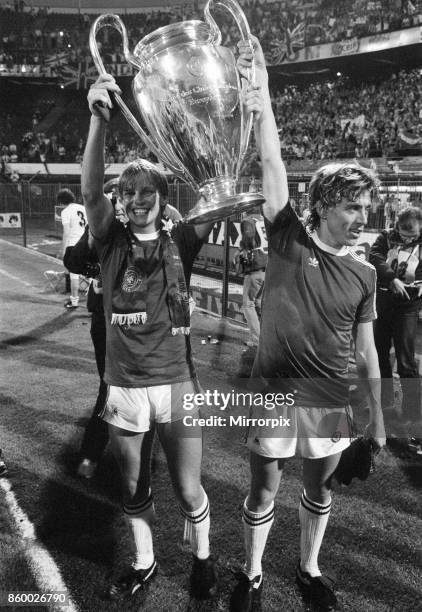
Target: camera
[245, 258]
[412, 291]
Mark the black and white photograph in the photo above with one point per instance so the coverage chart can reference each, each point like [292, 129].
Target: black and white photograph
[211, 305]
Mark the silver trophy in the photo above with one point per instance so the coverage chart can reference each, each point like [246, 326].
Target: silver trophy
[188, 94]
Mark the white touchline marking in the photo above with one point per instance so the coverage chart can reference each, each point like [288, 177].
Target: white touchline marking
[34, 245]
[16, 278]
[42, 565]
[32, 251]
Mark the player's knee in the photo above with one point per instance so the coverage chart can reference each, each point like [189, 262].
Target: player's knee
[319, 492]
[259, 499]
[190, 497]
[133, 489]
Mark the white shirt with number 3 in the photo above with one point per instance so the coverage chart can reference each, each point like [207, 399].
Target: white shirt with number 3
[74, 221]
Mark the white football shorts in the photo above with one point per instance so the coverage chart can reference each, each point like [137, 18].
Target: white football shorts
[311, 433]
[136, 409]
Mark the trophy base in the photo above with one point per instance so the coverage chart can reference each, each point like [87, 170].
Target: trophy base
[206, 212]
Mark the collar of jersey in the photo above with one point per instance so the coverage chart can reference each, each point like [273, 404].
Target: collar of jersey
[145, 237]
[327, 248]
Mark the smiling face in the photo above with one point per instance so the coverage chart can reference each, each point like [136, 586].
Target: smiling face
[143, 191]
[142, 205]
[342, 224]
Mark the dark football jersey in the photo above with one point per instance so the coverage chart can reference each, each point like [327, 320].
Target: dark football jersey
[148, 354]
[313, 297]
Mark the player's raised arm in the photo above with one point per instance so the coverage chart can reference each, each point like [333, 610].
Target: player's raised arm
[98, 207]
[274, 177]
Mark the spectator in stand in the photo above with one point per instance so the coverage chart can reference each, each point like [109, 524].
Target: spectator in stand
[389, 212]
[3, 466]
[61, 153]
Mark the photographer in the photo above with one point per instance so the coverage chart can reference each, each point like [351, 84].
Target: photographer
[251, 261]
[397, 257]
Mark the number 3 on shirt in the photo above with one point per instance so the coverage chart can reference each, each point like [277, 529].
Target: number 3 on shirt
[82, 222]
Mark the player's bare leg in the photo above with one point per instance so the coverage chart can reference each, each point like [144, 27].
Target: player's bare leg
[258, 517]
[73, 301]
[314, 511]
[132, 452]
[184, 457]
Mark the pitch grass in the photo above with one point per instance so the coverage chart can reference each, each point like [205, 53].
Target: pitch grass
[373, 541]
[15, 575]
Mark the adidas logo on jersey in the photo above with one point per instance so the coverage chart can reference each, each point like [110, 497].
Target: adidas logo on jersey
[359, 254]
[313, 261]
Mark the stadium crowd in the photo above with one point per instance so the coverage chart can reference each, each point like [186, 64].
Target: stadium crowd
[345, 119]
[40, 40]
[320, 121]
[323, 120]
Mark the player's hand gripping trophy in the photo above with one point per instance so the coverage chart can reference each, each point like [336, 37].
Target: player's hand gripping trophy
[188, 93]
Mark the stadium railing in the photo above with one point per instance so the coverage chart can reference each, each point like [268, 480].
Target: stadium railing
[43, 230]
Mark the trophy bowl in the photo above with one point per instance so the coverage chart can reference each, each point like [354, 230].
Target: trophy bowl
[188, 93]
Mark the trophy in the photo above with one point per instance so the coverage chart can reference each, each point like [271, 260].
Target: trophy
[188, 92]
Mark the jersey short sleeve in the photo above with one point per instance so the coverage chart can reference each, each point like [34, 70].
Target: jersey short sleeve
[283, 229]
[367, 308]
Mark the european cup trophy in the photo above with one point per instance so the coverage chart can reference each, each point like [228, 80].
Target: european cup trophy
[187, 90]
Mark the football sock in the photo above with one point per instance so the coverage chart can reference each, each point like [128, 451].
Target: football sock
[74, 300]
[256, 527]
[140, 518]
[313, 519]
[197, 527]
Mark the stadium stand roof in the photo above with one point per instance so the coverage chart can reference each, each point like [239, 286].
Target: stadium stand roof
[99, 6]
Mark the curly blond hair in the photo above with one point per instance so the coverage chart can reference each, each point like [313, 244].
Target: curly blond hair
[335, 181]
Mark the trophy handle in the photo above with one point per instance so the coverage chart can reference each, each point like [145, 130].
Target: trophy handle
[242, 23]
[114, 21]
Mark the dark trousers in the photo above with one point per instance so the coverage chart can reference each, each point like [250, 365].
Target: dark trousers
[397, 322]
[96, 432]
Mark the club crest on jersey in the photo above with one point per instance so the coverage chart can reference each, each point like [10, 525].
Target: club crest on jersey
[132, 280]
[313, 261]
[336, 437]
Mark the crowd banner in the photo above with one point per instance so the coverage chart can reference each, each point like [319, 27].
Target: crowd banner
[82, 72]
[9, 220]
[351, 46]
